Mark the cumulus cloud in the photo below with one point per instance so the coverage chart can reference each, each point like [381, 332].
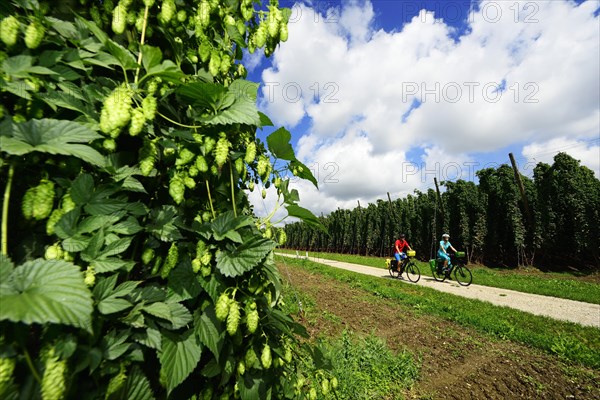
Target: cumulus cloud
[368, 97]
[586, 151]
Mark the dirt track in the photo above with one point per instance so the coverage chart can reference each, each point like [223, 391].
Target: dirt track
[567, 310]
[456, 362]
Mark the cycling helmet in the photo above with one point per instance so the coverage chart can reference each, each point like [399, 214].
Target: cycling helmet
[445, 235]
[402, 235]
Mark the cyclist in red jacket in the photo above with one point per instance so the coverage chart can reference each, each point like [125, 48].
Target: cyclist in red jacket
[399, 249]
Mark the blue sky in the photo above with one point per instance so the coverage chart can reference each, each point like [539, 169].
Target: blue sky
[381, 96]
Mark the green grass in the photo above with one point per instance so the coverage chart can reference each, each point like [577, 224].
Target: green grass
[570, 342]
[364, 367]
[562, 285]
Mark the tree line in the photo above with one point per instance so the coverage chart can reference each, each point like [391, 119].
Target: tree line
[554, 224]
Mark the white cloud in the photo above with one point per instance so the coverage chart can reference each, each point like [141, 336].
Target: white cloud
[586, 151]
[355, 86]
[252, 60]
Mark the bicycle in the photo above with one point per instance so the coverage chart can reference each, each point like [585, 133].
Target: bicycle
[462, 274]
[407, 265]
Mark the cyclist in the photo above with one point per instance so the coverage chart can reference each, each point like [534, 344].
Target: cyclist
[443, 250]
[399, 252]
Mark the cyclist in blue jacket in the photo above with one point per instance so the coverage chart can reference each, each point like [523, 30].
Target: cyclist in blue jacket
[443, 250]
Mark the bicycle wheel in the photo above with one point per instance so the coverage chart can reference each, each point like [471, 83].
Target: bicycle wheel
[391, 269]
[463, 275]
[412, 272]
[440, 277]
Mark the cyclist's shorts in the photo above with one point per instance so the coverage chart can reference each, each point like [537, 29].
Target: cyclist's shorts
[400, 256]
[443, 256]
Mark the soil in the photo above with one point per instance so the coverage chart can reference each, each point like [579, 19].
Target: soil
[456, 362]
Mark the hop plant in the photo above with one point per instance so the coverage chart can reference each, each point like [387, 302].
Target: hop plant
[167, 11]
[148, 256]
[200, 248]
[252, 317]
[185, 156]
[287, 356]
[119, 19]
[250, 153]
[334, 383]
[9, 30]
[53, 382]
[222, 307]
[201, 163]
[282, 237]
[239, 165]
[190, 183]
[203, 15]
[148, 156]
[7, 367]
[27, 203]
[90, 276]
[170, 261]
[241, 369]
[138, 119]
[225, 64]
[222, 151]
[325, 386]
[263, 167]
[38, 201]
[149, 106]
[67, 203]
[247, 10]
[214, 65]
[265, 357]
[196, 265]
[53, 219]
[209, 144]
[204, 50]
[273, 24]
[250, 358]
[54, 252]
[233, 318]
[177, 189]
[34, 34]
[260, 36]
[116, 111]
[206, 258]
[283, 31]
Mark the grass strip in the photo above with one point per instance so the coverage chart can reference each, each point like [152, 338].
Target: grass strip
[569, 341]
[561, 285]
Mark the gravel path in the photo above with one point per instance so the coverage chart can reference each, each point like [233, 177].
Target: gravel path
[562, 309]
